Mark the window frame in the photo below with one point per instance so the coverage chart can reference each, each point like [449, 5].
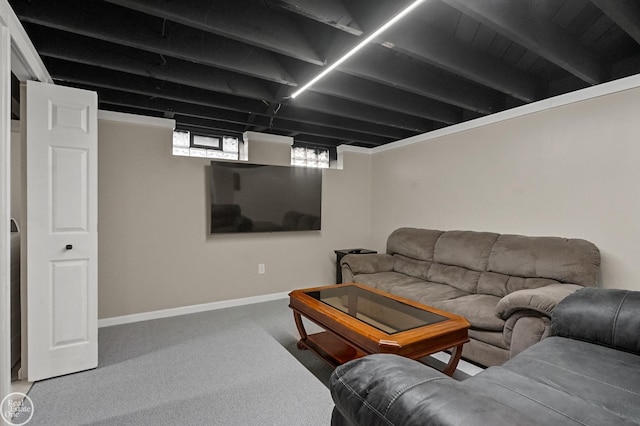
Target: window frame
[196, 150]
[307, 162]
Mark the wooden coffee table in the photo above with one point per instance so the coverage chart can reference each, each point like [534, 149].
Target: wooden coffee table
[360, 320]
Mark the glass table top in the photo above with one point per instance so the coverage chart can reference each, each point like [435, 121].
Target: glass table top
[383, 313]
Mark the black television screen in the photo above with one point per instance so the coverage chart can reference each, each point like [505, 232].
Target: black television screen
[264, 198]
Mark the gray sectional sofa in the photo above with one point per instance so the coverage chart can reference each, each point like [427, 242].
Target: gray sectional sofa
[587, 373]
[505, 285]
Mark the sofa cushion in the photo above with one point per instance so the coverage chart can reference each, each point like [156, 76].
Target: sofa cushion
[565, 381]
[468, 249]
[455, 276]
[478, 309]
[385, 281]
[559, 381]
[565, 260]
[411, 267]
[426, 293]
[414, 243]
[384, 389]
[500, 285]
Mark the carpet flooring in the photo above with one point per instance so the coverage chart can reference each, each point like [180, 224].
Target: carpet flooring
[235, 366]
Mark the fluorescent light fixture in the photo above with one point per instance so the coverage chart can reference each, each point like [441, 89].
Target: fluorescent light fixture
[362, 44]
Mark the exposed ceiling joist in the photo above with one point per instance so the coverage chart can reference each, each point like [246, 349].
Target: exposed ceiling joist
[347, 108]
[106, 55]
[235, 118]
[524, 24]
[208, 124]
[65, 47]
[133, 30]
[382, 65]
[95, 78]
[272, 111]
[360, 90]
[625, 13]
[228, 66]
[329, 12]
[421, 40]
[242, 20]
[433, 47]
[311, 117]
[312, 129]
[109, 79]
[165, 105]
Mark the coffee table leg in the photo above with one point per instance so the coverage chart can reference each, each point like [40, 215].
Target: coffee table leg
[456, 353]
[303, 333]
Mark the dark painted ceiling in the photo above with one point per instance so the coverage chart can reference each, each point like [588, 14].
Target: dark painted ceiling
[230, 66]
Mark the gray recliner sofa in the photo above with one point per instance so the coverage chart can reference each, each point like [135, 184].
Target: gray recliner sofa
[587, 373]
[506, 286]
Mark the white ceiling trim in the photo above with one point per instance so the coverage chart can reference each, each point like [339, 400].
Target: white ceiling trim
[267, 137]
[350, 148]
[593, 92]
[145, 120]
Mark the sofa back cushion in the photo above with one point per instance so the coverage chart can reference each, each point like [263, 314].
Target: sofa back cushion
[500, 285]
[455, 276]
[490, 263]
[467, 249]
[412, 267]
[413, 243]
[565, 260]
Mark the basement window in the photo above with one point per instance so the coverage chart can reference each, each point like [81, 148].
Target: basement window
[189, 144]
[310, 157]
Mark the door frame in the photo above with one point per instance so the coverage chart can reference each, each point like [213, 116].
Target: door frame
[17, 55]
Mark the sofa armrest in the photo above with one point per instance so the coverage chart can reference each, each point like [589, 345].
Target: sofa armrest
[370, 263]
[524, 329]
[542, 300]
[386, 389]
[606, 317]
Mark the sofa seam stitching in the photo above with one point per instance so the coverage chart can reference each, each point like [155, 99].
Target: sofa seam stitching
[486, 267]
[584, 375]
[433, 255]
[615, 319]
[402, 391]
[536, 401]
[364, 401]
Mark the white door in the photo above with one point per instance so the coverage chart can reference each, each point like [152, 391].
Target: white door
[61, 230]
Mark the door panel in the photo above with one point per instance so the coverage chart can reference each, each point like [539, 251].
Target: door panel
[69, 286]
[69, 168]
[68, 117]
[61, 230]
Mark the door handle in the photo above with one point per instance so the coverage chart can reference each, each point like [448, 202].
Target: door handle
[68, 247]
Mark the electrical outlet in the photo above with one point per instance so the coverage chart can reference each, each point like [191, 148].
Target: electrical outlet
[261, 269]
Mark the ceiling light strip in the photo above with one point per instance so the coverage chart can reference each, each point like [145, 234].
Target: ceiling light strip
[359, 46]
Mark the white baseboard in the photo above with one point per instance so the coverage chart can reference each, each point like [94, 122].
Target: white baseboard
[192, 309]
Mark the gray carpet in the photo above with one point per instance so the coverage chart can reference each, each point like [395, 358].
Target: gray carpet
[236, 366]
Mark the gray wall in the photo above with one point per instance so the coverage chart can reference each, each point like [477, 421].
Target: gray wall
[567, 171]
[570, 171]
[155, 251]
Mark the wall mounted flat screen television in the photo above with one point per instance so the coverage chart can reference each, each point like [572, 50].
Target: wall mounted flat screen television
[264, 198]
